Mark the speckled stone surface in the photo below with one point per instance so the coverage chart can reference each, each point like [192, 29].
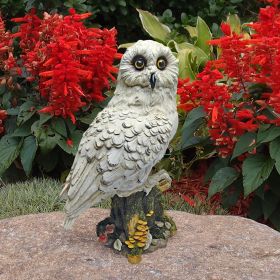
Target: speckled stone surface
[205, 247]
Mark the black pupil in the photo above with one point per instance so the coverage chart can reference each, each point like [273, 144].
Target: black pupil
[161, 63]
[139, 63]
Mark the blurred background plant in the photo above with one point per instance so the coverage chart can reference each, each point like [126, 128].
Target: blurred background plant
[122, 14]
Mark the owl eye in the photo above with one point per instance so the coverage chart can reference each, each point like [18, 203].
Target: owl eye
[139, 62]
[161, 63]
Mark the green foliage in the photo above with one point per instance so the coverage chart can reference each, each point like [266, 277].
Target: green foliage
[123, 15]
[39, 143]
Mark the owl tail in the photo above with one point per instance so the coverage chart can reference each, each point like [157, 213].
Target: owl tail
[74, 209]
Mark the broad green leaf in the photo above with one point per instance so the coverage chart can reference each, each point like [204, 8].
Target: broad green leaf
[153, 26]
[217, 164]
[44, 118]
[194, 120]
[203, 36]
[75, 137]
[125, 46]
[256, 169]
[235, 24]
[24, 130]
[27, 153]
[270, 204]
[192, 30]
[201, 56]
[26, 111]
[223, 178]
[185, 68]
[88, 119]
[268, 134]
[58, 125]
[244, 144]
[274, 150]
[9, 151]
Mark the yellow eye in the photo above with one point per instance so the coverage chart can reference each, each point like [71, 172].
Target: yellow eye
[139, 62]
[161, 63]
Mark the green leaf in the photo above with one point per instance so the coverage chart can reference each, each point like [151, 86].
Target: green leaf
[25, 112]
[198, 53]
[203, 36]
[235, 24]
[268, 134]
[44, 118]
[274, 150]
[58, 125]
[27, 153]
[185, 67]
[88, 119]
[153, 26]
[76, 137]
[126, 45]
[269, 204]
[24, 130]
[9, 151]
[244, 144]
[194, 120]
[222, 179]
[217, 164]
[256, 169]
[192, 30]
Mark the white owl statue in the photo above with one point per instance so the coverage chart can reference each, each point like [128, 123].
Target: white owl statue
[118, 151]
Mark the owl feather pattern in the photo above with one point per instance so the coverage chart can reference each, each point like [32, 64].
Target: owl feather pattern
[125, 141]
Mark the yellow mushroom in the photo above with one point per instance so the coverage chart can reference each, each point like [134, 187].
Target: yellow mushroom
[141, 244]
[137, 237]
[131, 246]
[138, 233]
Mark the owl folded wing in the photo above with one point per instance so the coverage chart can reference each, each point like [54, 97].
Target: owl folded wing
[115, 156]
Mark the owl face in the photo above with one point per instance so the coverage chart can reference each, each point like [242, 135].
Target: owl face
[148, 64]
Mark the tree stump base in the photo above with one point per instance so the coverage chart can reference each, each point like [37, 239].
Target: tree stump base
[137, 224]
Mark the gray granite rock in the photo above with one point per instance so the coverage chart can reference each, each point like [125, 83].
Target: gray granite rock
[205, 247]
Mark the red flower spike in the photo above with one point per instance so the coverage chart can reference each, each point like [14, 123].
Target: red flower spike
[73, 62]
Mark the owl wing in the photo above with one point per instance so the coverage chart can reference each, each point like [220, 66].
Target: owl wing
[115, 156]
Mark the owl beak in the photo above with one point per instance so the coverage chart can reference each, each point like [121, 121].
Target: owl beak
[153, 80]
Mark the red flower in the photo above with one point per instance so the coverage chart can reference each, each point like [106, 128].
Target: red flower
[3, 116]
[69, 143]
[73, 62]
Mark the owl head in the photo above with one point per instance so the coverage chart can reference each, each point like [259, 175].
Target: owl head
[150, 65]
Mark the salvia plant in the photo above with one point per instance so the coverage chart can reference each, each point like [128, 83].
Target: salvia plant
[229, 88]
[54, 71]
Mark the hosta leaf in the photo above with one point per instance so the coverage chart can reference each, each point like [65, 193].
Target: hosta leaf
[153, 26]
[256, 169]
[223, 178]
[203, 35]
[27, 153]
[235, 24]
[9, 151]
[185, 67]
[244, 144]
